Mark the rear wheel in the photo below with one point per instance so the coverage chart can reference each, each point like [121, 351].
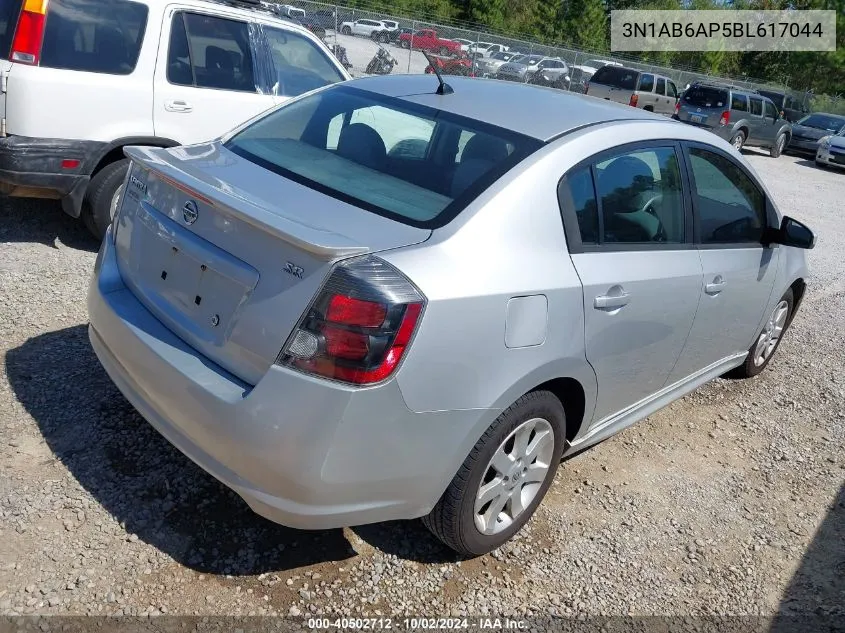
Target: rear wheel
[346, 30]
[444, 51]
[504, 478]
[384, 38]
[777, 148]
[738, 140]
[406, 44]
[767, 342]
[102, 197]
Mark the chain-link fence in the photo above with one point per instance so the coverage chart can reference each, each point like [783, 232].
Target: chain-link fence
[414, 45]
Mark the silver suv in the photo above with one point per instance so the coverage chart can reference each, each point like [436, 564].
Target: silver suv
[648, 91]
[741, 117]
[364, 306]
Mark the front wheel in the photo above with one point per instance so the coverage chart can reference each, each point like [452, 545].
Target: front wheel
[504, 478]
[444, 51]
[406, 44]
[777, 148]
[103, 196]
[346, 30]
[767, 342]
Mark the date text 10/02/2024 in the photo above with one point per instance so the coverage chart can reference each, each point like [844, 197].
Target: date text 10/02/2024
[414, 624]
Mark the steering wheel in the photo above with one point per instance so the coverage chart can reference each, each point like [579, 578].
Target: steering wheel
[648, 207]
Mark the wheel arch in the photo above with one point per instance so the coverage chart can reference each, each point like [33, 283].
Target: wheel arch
[798, 287]
[114, 150]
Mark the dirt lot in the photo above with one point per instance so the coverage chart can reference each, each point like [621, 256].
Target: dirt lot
[731, 501]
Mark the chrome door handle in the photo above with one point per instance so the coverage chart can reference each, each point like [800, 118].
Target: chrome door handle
[715, 287]
[611, 301]
[177, 105]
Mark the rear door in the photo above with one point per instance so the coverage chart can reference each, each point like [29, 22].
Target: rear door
[205, 79]
[771, 123]
[9, 12]
[739, 272]
[629, 229]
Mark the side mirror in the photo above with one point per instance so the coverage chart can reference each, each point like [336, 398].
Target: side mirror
[792, 233]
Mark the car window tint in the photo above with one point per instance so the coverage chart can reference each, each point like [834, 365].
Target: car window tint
[705, 97]
[661, 86]
[583, 200]
[756, 106]
[99, 36]
[641, 197]
[731, 208]
[771, 110]
[646, 83]
[671, 89]
[218, 52]
[9, 11]
[739, 102]
[299, 64]
[617, 77]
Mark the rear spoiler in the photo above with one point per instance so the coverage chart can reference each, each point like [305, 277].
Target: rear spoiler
[186, 177]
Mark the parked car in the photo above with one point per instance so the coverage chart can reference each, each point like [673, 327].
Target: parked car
[313, 24]
[465, 44]
[790, 107]
[739, 116]
[525, 68]
[310, 315]
[579, 78]
[290, 11]
[486, 49]
[807, 131]
[831, 151]
[390, 32]
[364, 28]
[172, 76]
[462, 65]
[648, 91]
[428, 40]
[595, 64]
[488, 66]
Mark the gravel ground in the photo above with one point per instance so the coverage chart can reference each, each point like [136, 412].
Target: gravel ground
[730, 501]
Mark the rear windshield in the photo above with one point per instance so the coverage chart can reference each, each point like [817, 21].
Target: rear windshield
[414, 164]
[9, 10]
[617, 77]
[706, 97]
[100, 36]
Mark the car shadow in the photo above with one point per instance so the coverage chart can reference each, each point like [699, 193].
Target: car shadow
[814, 600]
[807, 162]
[44, 222]
[153, 491]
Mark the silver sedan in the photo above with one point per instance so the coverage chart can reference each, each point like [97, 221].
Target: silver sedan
[389, 299]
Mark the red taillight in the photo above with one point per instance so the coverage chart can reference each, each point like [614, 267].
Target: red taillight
[29, 34]
[359, 326]
[725, 118]
[70, 163]
[633, 101]
[678, 107]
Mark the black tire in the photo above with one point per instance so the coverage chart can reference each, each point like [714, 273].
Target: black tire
[777, 149]
[346, 30]
[405, 44]
[452, 519]
[738, 140]
[444, 51]
[384, 38]
[749, 368]
[821, 164]
[96, 212]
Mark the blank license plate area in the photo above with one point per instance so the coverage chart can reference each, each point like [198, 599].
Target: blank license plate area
[186, 285]
[697, 118]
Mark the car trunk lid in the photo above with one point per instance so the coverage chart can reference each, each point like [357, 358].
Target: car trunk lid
[229, 255]
[704, 105]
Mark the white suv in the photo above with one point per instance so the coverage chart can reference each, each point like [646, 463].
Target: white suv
[82, 79]
[362, 27]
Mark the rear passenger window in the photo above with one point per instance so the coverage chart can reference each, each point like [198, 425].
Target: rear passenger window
[739, 102]
[756, 106]
[636, 198]
[210, 52]
[99, 36]
[771, 111]
[661, 86]
[646, 83]
[730, 207]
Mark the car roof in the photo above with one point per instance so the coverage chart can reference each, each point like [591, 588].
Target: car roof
[548, 112]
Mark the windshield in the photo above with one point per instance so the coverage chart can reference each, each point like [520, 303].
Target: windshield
[412, 163]
[502, 56]
[706, 97]
[826, 122]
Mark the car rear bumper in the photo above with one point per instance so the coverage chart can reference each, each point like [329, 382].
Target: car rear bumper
[304, 452]
[32, 167]
[831, 158]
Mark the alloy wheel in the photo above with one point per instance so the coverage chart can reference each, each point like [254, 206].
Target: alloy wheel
[514, 475]
[771, 333]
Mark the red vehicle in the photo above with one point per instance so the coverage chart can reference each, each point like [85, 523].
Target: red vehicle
[462, 65]
[427, 40]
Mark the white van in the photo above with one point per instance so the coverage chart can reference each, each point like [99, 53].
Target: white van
[82, 79]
